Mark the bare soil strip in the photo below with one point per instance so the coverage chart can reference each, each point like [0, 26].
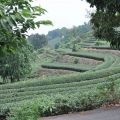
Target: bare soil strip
[115, 52]
[71, 59]
[51, 72]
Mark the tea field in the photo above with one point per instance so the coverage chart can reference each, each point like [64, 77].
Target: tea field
[86, 86]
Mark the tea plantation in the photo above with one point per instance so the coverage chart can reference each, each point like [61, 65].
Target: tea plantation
[87, 88]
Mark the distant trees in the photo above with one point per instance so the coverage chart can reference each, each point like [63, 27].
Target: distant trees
[65, 35]
[106, 20]
[38, 41]
[54, 33]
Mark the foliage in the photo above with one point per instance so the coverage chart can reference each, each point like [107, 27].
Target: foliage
[53, 34]
[74, 48]
[16, 18]
[63, 79]
[109, 90]
[72, 67]
[76, 60]
[58, 104]
[29, 93]
[106, 20]
[40, 51]
[41, 56]
[38, 41]
[110, 61]
[86, 54]
[25, 112]
[57, 46]
[16, 65]
[48, 96]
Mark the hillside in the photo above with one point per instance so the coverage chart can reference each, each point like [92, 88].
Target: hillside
[72, 69]
[81, 35]
[81, 74]
[64, 79]
[73, 86]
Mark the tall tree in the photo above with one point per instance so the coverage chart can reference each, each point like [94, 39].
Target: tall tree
[16, 18]
[16, 65]
[106, 20]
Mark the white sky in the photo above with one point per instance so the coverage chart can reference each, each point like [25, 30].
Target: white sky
[63, 13]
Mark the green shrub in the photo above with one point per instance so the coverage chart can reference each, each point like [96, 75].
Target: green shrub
[76, 60]
[63, 79]
[74, 48]
[25, 112]
[109, 90]
[72, 67]
[57, 104]
[57, 45]
[40, 51]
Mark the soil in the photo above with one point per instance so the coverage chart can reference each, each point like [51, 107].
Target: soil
[115, 52]
[71, 59]
[66, 59]
[53, 72]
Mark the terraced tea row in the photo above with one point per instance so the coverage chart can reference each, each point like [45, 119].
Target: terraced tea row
[55, 86]
[72, 67]
[64, 79]
[10, 93]
[33, 95]
[109, 61]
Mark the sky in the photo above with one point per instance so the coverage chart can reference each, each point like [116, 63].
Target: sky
[63, 13]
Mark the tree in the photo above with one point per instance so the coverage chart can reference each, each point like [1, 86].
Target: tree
[16, 65]
[16, 18]
[54, 33]
[106, 20]
[38, 41]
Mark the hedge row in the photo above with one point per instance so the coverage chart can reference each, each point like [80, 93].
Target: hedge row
[109, 59]
[58, 104]
[85, 54]
[100, 101]
[31, 94]
[64, 79]
[19, 91]
[72, 67]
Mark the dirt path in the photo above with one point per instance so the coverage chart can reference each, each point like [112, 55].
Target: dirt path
[115, 52]
[81, 60]
[99, 114]
[52, 72]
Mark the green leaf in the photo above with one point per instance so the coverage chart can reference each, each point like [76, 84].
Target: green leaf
[26, 13]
